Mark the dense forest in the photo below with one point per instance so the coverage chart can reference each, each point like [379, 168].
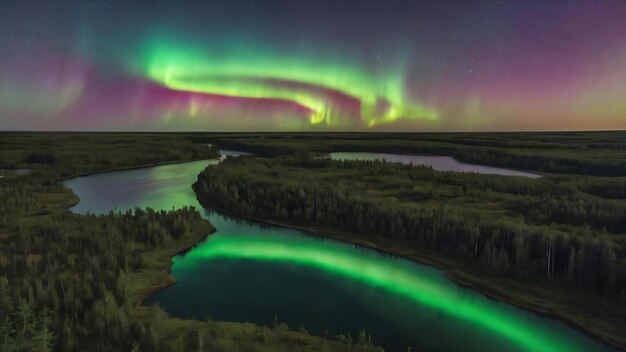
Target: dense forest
[586, 153]
[47, 157]
[69, 154]
[72, 282]
[558, 228]
[65, 281]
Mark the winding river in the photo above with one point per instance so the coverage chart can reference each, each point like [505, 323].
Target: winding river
[247, 271]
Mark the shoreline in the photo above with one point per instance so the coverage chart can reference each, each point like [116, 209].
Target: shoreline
[155, 275]
[76, 199]
[127, 168]
[454, 272]
[451, 271]
[539, 174]
[167, 280]
[164, 271]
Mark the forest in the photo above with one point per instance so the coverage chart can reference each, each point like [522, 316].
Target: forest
[563, 233]
[64, 290]
[586, 153]
[550, 227]
[63, 154]
[72, 282]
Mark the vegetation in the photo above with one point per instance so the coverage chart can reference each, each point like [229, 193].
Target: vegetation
[560, 231]
[586, 153]
[69, 154]
[50, 156]
[72, 282]
[63, 289]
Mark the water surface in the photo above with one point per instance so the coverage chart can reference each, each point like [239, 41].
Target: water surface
[12, 172]
[247, 271]
[439, 163]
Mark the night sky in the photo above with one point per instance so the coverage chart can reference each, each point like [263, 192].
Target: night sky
[284, 65]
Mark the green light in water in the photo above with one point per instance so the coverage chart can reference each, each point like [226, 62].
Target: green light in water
[258, 74]
[392, 276]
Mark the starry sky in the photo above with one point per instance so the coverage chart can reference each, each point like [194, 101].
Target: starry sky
[313, 65]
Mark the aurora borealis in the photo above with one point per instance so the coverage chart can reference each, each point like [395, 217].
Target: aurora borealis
[312, 65]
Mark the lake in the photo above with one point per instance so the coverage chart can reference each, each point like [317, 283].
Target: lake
[251, 272]
[439, 163]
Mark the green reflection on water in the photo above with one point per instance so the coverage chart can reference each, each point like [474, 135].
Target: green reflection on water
[390, 275]
[165, 187]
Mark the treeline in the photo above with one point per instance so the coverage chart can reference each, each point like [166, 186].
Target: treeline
[547, 229]
[50, 156]
[72, 282]
[66, 154]
[28, 196]
[585, 153]
[64, 280]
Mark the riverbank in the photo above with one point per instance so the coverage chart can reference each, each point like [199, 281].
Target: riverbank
[67, 199]
[452, 157]
[142, 166]
[227, 336]
[596, 317]
[542, 152]
[91, 260]
[155, 274]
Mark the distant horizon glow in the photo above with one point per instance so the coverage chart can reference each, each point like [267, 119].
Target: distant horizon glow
[313, 66]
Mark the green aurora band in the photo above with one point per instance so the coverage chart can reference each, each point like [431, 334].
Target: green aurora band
[397, 279]
[247, 73]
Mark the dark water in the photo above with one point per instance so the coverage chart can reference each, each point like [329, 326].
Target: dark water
[251, 272]
[439, 163]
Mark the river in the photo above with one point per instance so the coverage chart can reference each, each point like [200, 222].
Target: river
[439, 163]
[251, 272]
